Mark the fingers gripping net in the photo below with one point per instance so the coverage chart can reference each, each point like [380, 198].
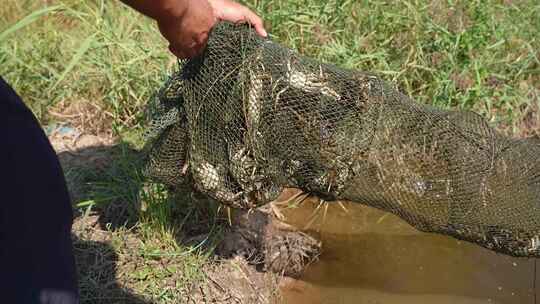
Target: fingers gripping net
[250, 117]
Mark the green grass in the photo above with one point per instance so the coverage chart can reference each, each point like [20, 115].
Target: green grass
[479, 55]
[89, 51]
[133, 240]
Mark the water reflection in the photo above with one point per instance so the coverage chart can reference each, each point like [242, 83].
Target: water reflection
[374, 257]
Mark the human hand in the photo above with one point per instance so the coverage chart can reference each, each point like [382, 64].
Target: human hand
[231, 11]
[188, 32]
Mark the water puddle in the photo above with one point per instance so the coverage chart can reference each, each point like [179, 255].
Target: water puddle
[373, 257]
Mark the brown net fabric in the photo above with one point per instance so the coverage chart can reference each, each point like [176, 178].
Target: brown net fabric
[250, 117]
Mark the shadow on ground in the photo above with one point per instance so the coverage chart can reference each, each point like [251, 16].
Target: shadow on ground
[98, 185]
[114, 246]
[97, 267]
[108, 192]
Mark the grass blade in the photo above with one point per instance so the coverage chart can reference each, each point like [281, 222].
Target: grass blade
[76, 58]
[28, 20]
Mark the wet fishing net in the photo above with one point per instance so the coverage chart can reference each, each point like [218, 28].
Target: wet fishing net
[250, 117]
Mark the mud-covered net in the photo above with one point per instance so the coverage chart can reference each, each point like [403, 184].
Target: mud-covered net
[250, 117]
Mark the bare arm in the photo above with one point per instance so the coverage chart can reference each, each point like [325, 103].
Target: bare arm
[186, 24]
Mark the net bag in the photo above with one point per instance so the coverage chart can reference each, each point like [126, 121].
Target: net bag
[249, 117]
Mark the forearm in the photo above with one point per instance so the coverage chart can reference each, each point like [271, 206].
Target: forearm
[186, 24]
[159, 9]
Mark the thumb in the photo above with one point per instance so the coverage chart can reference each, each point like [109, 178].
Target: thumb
[256, 22]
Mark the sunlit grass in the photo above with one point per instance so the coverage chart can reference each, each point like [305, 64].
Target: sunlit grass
[480, 55]
[92, 51]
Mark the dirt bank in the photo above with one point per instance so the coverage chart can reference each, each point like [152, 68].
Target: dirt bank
[253, 253]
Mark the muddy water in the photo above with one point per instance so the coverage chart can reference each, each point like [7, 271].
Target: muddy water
[373, 257]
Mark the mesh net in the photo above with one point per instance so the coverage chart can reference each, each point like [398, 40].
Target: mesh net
[250, 117]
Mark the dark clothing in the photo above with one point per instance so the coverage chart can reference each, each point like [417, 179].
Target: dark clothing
[36, 254]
